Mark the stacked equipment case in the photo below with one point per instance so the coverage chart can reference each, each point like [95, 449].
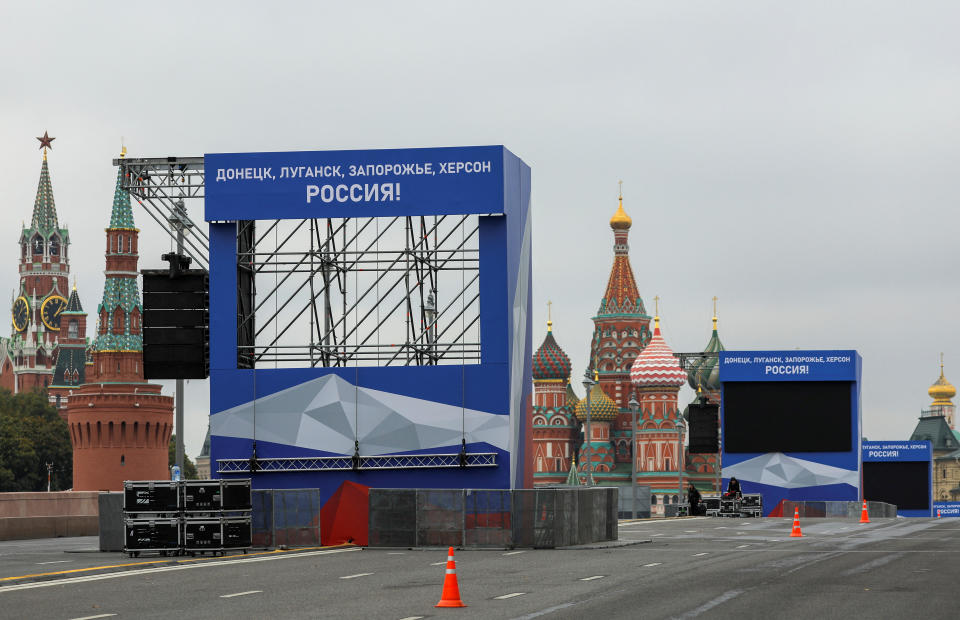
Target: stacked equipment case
[188, 516]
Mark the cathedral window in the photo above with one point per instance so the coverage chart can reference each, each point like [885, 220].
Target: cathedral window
[55, 246]
[73, 331]
[37, 244]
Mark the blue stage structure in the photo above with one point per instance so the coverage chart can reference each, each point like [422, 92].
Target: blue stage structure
[899, 473]
[790, 424]
[426, 421]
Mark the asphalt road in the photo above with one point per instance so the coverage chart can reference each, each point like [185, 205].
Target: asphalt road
[712, 568]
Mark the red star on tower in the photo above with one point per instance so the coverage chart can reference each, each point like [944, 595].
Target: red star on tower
[45, 140]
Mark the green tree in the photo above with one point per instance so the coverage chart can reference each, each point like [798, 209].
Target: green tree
[32, 434]
[189, 469]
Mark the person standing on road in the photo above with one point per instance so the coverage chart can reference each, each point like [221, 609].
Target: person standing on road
[693, 498]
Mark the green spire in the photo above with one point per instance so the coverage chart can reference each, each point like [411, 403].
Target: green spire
[122, 214]
[44, 210]
[572, 478]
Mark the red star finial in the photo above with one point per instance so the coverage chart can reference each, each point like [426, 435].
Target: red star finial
[45, 140]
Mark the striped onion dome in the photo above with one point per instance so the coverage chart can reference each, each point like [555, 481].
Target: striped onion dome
[656, 366]
[550, 362]
[602, 409]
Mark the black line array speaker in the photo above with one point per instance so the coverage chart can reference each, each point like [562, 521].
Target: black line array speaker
[704, 428]
[176, 317]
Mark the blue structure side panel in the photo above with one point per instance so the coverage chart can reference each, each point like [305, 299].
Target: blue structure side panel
[223, 296]
[519, 275]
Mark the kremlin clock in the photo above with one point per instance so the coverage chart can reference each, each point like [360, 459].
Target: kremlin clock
[21, 313]
[50, 311]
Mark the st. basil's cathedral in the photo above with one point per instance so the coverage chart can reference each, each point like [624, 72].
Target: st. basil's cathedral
[119, 424]
[628, 361]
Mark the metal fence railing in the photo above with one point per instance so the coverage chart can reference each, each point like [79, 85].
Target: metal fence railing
[288, 517]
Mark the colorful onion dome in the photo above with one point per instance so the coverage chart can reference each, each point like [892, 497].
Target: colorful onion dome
[572, 398]
[656, 365]
[602, 409]
[705, 372]
[942, 391]
[550, 362]
[620, 219]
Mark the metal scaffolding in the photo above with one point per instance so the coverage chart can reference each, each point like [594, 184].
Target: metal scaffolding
[333, 292]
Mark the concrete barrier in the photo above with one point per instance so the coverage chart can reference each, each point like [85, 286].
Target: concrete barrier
[48, 515]
[540, 518]
[839, 510]
[111, 521]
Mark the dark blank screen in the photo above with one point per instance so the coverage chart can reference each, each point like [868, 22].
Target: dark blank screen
[906, 485]
[787, 416]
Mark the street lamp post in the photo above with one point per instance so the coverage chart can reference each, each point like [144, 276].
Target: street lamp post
[680, 429]
[634, 407]
[588, 383]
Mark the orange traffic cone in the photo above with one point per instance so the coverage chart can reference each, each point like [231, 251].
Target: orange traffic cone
[864, 517]
[796, 533]
[451, 590]
[938, 513]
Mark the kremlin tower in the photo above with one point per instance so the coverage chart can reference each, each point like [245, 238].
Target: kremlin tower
[704, 377]
[621, 330]
[941, 392]
[603, 411]
[552, 419]
[120, 425]
[626, 360]
[658, 446]
[29, 358]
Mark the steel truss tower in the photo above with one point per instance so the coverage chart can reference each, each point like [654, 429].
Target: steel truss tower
[332, 292]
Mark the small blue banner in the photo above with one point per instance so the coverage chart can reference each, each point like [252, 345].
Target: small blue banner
[902, 451]
[946, 509]
[369, 183]
[789, 365]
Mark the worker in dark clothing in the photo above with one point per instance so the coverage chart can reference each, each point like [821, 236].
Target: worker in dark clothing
[693, 498]
[733, 488]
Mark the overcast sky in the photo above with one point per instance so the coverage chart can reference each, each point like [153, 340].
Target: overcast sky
[799, 161]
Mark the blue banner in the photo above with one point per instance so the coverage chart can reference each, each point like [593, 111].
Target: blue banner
[946, 509]
[369, 183]
[896, 451]
[789, 365]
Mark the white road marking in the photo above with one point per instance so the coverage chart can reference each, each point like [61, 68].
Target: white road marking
[592, 578]
[438, 564]
[93, 617]
[55, 562]
[511, 595]
[394, 552]
[412, 618]
[355, 576]
[742, 546]
[166, 569]
[723, 598]
[241, 593]
[514, 552]
[656, 534]
[699, 554]
[652, 564]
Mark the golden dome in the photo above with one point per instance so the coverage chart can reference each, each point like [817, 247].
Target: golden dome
[620, 219]
[942, 391]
